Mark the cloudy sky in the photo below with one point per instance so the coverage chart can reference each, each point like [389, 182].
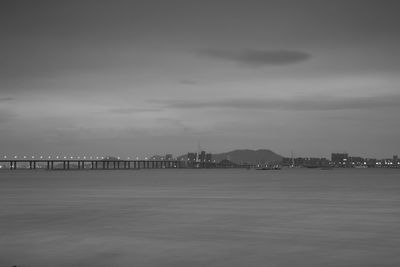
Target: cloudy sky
[136, 78]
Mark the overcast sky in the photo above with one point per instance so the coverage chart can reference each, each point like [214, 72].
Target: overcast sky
[136, 78]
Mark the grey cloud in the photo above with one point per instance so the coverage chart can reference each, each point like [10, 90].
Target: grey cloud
[297, 104]
[7, 115]
[188, 82]
[252, 57]
[133, 110]
[6, 99]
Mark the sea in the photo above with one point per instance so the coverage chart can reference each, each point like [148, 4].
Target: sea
[200, 217]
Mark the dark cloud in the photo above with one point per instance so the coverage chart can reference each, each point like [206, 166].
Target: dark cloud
[188, 82]
[298, 104]
[7, 115]
[133, 110]
[6, 99]
[253, 57]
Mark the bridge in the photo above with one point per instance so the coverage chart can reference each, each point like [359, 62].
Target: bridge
[89, 164]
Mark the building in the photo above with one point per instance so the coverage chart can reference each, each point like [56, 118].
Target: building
[340, 159]
[192, 157]
[202, 157]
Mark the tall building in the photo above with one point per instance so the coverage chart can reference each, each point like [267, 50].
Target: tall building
[202, 156]
[192, 157]
[208, 157]
[340, 159]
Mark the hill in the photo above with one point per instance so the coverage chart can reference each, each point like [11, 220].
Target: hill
[249, 156]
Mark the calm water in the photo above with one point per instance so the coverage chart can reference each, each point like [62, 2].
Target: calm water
[200, 218]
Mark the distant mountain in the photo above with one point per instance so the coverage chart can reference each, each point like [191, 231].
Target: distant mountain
[249, 156]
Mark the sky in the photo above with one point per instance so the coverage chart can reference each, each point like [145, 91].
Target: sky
[137, 78]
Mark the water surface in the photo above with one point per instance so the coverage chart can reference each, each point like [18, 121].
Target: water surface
[200, 218]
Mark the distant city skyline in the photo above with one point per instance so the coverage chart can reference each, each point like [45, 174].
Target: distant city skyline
[135, 78]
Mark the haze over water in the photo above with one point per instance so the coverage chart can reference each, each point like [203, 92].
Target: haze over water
[200, 218]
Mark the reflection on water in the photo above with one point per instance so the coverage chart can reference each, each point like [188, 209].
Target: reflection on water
[200, 218]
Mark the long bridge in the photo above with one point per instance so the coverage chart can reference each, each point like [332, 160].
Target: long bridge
[89, 164]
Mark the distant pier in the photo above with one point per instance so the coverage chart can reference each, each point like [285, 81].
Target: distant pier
[79, 164]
